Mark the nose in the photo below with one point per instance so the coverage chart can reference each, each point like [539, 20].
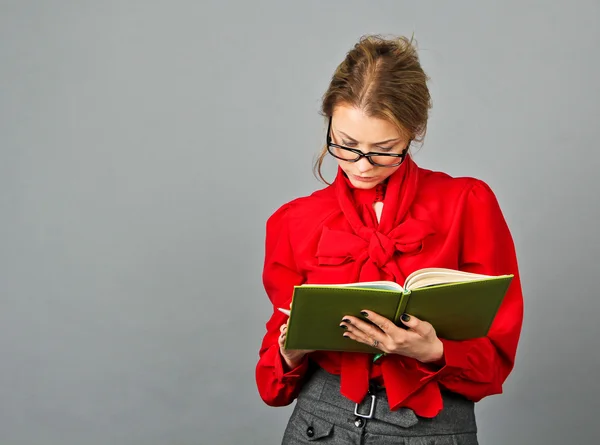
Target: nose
[363, 165]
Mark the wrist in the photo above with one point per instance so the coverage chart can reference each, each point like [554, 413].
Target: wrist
[291, 361]
[436, 353]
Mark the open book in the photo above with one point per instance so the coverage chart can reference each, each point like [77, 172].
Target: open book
[460, 305]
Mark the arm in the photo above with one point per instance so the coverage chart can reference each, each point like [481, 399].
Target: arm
[278, 385]
[478, 368]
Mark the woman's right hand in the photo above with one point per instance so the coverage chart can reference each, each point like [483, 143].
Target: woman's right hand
[292, 357]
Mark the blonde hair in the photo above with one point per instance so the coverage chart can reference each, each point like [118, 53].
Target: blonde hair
[384, 78]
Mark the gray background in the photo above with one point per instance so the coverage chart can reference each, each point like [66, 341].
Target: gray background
[144, 144]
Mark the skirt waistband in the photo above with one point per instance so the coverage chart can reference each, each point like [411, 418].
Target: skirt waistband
[321, 396]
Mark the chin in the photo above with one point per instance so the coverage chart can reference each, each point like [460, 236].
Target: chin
[364, 185]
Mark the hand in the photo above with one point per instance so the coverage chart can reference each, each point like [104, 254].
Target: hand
[419, 341]
[292, 357]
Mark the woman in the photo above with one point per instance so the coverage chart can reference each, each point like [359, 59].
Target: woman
[382, 218]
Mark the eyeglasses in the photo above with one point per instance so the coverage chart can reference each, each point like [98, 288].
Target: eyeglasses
[353, 155]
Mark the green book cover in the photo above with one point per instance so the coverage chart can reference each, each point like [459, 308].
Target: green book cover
[459, 305]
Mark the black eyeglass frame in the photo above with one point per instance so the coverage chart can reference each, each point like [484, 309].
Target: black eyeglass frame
[360, 154]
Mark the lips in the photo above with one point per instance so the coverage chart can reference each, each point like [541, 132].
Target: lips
[364, 179]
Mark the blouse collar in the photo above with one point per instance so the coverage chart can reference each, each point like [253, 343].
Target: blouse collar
[398, 193]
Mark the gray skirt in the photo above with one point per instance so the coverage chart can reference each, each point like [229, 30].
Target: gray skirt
[323, 415]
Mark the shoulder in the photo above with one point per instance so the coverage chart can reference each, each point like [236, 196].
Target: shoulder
[439, 186]
[305, 209]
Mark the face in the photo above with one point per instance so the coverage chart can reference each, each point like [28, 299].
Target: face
[351, 128]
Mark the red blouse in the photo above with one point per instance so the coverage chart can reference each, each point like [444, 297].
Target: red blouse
[429, 219]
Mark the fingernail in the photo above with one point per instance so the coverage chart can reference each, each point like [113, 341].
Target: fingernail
[345, 336]
[405, 317]
[343, 326]
[345, 320]
[364, 314]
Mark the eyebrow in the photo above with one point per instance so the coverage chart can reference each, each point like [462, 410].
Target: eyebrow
[374, 143]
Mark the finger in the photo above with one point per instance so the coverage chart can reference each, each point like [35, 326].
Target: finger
[385, 324]
[363, 332]
[283, 327]
[361, 337]
[368, 328]
[421, 327]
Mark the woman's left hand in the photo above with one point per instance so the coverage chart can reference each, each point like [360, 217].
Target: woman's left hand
[419, 341]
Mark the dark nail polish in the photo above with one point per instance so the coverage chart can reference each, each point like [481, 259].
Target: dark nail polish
[345, 336]
[364, 314]
[405, 317]
[343, 326]
[345, 320]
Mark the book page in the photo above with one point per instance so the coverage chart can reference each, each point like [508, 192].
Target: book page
[385, 285]
[435, 275]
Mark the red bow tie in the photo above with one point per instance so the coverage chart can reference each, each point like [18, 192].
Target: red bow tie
[372, 250]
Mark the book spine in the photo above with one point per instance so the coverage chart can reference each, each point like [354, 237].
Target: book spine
[402, 305]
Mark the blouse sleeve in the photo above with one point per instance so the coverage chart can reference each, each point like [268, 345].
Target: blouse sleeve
[276, 386]
[478, 368]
